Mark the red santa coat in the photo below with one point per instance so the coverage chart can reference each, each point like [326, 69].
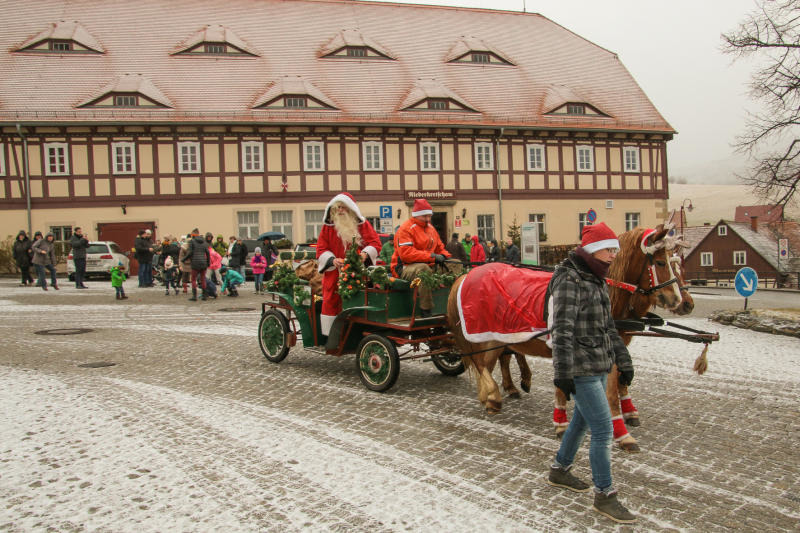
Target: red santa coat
[330, 245]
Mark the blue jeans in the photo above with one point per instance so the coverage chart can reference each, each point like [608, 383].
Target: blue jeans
[142, 274]
[258, 278]
[591, 412]
[40, 271]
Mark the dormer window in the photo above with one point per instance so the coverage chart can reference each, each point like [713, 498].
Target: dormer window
[63, 37]
[472, 50]
[356, 51]
[576, 109]
[296, 101]
[563, 100]
[125, 100]
[61, 46]
[215, 40]
[354, 44]
[430, 95]
[437, 103]
[214, 48]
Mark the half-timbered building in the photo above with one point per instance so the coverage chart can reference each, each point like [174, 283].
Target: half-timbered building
[249, 115]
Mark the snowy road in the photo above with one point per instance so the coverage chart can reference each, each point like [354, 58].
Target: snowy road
[193, 430]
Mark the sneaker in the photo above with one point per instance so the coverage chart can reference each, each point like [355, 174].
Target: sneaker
[55, 287]
[81, 287]
[123, 297]
[562, 477]
[608, 505]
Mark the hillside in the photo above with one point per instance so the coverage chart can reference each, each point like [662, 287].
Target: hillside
[713, 202]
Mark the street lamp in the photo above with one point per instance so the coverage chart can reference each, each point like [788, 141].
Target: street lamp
[683, 217]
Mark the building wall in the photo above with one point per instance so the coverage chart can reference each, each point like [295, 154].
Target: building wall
[723, 248]
[92, 191]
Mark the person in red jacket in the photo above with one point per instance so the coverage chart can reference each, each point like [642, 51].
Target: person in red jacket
[342, 222]
[417, 246]
[476, 254]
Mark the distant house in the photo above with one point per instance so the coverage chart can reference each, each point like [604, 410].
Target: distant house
[718, 251]
[765, 213]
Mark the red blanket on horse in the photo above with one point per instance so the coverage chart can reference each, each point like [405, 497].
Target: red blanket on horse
[499, 302]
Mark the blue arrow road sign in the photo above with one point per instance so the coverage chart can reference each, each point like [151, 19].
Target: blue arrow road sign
[746, 281]
[386, 211]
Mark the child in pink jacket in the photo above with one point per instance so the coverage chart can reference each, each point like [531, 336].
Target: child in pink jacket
[213, 266]
[259, 264]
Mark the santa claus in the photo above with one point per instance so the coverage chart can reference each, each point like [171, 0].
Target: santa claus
[342, 222]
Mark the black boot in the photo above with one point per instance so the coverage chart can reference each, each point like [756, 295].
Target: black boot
[194, 295]
[203, 295]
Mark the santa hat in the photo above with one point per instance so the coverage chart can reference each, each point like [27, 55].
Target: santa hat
[421, 207]
[598, 237]
[168, 262]
[347, 199]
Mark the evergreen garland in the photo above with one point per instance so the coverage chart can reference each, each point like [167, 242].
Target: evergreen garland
[284, 280]
[380, 277]
[434, 281]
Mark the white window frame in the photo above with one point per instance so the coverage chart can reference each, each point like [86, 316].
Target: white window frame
[192, 146]
[308, 148]
[283, 226]
[631, 165]
[487, 161]
[257, 149]
[2, 159]
[486, 227]
[115, 163]
[739, 257]
[542, 161]
[632, 220]
[433, 153]
[252, 228]
[540, 219]
[370, 162]
[722, 231]
[56, 146]
[583, 220]
[706, 259]
[589, 165]
[316, 226]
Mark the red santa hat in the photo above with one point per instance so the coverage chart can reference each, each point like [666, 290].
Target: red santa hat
[347, 199]
[598, 237]
[421, 207]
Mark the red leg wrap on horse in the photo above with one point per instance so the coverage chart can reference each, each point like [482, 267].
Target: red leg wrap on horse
[620, 431]
[628, 409]
[560, 417]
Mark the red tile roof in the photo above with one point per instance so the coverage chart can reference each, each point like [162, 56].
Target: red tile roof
[138, 37]
[765, 213]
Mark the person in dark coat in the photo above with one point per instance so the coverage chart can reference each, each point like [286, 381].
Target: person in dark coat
[22, 257]
[44, 257]
[143, 253]
[270, 252]
[512, 252]
[456, 249]
[79, 244]
[199, 258]
[243, 251]
[492, 252]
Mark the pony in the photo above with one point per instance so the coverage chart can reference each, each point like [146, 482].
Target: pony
[644, 258]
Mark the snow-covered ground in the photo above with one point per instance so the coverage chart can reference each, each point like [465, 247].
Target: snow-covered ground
[192, 430]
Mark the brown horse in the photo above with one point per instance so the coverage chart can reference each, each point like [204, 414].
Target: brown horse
[639, 266]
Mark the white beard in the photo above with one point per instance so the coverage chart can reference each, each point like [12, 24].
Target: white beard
[346, 225]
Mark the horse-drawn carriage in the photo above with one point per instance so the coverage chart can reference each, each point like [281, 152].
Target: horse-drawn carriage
[381, 325]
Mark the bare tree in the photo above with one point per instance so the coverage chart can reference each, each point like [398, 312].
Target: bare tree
[771, 34]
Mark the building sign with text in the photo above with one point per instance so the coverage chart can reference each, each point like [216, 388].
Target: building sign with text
[448, 194]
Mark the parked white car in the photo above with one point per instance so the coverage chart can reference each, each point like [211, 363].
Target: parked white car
[100, 257]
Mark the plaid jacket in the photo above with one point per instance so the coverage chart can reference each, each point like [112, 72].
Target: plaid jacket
[585, 341]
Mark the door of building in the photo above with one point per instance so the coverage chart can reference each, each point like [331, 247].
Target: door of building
[439, 221]
[124, 234]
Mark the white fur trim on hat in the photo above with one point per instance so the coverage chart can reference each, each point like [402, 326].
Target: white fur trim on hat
[347, 200]
[601, 245]
[421, 208]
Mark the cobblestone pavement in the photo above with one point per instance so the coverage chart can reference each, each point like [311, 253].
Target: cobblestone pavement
[193, 430]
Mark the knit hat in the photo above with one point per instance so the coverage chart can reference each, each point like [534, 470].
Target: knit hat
[168, 262]
[598, 237]
[421, 207]
[148, 232]
[258, 250]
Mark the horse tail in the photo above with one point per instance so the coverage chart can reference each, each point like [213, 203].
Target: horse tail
[701, 363]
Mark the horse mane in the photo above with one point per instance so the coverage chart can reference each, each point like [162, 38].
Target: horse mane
[627, 256]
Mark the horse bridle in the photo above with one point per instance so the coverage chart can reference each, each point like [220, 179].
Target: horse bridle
[649, 251]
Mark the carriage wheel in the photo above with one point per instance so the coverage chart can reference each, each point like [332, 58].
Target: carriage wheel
[448, 364]
[272, 332]
[377, 363]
